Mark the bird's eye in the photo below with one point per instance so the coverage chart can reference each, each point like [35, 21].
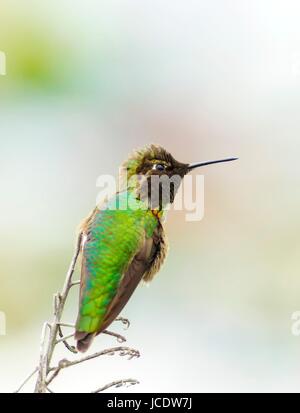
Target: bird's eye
[159, 167]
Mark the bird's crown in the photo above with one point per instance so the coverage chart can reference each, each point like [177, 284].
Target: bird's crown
[151, 158]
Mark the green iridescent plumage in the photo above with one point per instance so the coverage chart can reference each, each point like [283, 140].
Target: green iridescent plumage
[114, 238]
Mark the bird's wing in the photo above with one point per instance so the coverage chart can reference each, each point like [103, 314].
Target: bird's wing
[117, 251]
[140, 265]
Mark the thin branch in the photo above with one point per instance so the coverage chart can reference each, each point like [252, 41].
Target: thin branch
[63, 364]
[27, 380]
[42, 369]
[65, 338]
[123, 351]
[63, 298]
[52, 377]
[72, 349]
[121, 339]
[59, 303]
[124, 321]
[66, 325]
[119, 383]
[49, 390]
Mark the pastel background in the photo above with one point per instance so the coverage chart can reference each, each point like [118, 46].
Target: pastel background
[87, 82]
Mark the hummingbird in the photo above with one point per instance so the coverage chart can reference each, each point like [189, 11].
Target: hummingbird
[124, 245]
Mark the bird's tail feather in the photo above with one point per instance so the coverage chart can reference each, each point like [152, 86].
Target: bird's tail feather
[84, 340]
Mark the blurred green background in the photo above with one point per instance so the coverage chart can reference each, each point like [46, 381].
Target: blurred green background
[87, 82]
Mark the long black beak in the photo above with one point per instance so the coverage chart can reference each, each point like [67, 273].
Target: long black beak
[199, 164]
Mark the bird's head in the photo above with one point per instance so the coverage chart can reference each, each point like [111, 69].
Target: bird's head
[148, 168]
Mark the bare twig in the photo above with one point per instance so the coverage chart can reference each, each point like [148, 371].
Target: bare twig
[123, 351]
[27, 380]
[54, 374]
[66, 325]
[119, 383]
[63, 364]
[121, 339]
[124, 321]
[64, 339]
[72, 349]
[59, 303]
[42, 369]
